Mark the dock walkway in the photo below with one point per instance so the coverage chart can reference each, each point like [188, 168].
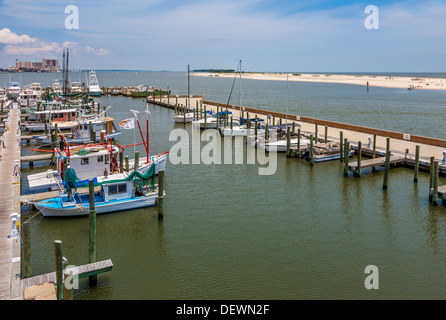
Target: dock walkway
[9, 203]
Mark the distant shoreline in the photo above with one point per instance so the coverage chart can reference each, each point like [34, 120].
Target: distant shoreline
[372, 80]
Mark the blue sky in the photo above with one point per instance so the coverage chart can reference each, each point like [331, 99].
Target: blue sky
[269, 36]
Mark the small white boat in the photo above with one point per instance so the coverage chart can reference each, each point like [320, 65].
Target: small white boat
[13, 90]
[117, 193]
[188, 117]
[93, 85]
[280, 145]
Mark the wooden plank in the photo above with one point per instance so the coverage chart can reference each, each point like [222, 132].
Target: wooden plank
[375, 162]
[36, 157]
[80, 271]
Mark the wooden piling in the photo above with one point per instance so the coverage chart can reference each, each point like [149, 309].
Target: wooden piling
[326, 134]
[311, 150]
[417, 163]
[287, 141]
[316, 135]
[435, 184]
[358, 171]
[121, 162]
[431, 173]
[136, 160]
[341, 146]
[92, 235]
[374, 147]
[298, 142]
[26, 248]
[67, 289]
[160, 194]
[386, 170]
[59, 269]
[127, 163]
[346, 156]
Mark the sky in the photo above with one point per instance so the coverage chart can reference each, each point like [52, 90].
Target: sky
[267, 35]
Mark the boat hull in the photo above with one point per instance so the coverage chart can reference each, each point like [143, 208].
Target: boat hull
[52, 207]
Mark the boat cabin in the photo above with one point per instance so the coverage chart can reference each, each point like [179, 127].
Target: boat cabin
[89, 161]
[117, 191]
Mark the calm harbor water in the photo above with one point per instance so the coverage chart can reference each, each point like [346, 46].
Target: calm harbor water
[228, 233]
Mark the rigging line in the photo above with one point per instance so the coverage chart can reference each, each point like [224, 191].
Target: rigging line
[233, 82]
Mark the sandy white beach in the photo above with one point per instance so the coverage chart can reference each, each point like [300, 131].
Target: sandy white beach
[373, 81]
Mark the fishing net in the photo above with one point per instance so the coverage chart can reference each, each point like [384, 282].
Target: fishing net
[82, 152]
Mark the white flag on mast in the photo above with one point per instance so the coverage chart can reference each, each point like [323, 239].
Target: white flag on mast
[127, 123]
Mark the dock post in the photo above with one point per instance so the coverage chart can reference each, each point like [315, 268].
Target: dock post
[136, 160]
[358, 170]
[387, 144]
[121, 162]
[26, 240]
[316, 135]
[59, 269]
[346, 156]
[287, 141]
[374, 146]
[386, 171]
[91, 131]
[205, 118]
[417, 163]
[326, 134]
[341, 146]
[160, 194]
[298, 142]
[431, 175]
[266, 132]
[255, 129]
[435, 184]
[294, 127]
[311, 150]
[68, 290]
[248, 123]
[92, 236]
[231, 123]
[127, 163]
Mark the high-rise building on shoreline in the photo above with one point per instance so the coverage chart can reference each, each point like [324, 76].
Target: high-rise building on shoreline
[47, 65]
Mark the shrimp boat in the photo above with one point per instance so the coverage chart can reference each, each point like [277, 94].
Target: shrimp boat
[93, 160]
[120, 192]
[80, 132]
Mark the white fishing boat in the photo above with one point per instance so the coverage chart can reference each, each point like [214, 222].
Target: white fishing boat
[188, 117]
[93, 160]
[117, 193]
[213, 120]
[80, 130]
[65, 118]
[281, 145]
[93, 85]
[13, 90]
[241, 130]
[89, 161]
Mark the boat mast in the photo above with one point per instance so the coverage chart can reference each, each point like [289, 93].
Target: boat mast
[188, 89]
[286, 115]
[240, 98]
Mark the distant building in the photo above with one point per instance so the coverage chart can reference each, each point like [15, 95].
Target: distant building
[47, 65]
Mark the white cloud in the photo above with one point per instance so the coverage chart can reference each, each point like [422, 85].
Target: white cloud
[8, 37]
[24, 45]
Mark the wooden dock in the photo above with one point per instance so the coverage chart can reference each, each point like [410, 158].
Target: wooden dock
[376, 162]
[36, 197]
[37, 157]
[80, 271]
[9, 203]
